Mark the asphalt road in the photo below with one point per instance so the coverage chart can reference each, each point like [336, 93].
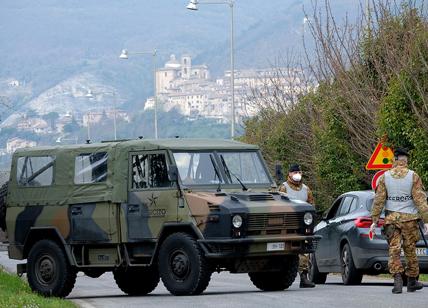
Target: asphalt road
[236, 290]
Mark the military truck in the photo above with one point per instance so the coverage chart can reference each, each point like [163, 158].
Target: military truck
[172, 209]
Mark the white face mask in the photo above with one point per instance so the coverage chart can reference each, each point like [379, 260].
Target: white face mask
[297, 177]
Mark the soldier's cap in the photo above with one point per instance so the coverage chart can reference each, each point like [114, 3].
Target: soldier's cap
[294, 167]
[400, 152]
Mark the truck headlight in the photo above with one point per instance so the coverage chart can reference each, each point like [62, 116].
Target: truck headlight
[308, 218]
[237, 221]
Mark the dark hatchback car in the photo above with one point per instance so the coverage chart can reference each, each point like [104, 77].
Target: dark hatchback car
[345, 246]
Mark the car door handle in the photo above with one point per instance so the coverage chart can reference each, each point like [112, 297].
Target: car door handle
[76, 211]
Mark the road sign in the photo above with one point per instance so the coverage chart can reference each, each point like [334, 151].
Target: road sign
[376, 177]
[381, 158]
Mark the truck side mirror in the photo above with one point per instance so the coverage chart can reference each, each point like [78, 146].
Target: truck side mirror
[278, 172]
[173, 173]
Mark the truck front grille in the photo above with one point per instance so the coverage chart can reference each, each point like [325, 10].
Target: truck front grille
[274, 221]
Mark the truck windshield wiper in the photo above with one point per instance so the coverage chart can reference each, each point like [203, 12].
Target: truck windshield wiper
[216, 173]
[229, 173]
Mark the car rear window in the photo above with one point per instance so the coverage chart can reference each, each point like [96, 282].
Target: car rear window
[369, 204]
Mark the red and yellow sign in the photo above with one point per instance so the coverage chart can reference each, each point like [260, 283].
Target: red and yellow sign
[381, 158]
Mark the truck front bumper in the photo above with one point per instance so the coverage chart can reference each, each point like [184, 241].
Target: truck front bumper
[259, 246]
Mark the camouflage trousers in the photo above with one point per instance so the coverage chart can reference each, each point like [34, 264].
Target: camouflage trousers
[403, 235]
[303, 263]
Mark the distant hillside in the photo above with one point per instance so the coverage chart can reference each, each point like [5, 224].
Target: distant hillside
[44, 42]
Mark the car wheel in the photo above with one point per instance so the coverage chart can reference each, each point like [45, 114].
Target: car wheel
[182, 265]
[48, 270]
[279, 280]
[350, 274]
[137, 281]
[314, 274]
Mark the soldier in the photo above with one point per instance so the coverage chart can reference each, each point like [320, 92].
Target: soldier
[401, 192]
[295, 189]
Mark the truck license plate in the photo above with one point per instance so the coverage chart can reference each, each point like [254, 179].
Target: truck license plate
[275, 246]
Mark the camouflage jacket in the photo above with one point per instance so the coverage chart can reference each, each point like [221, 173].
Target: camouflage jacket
[399, 171]
[297, 187]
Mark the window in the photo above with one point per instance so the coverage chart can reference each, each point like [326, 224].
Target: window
[354, 205]
[90, 168]
[344, 209]
[334, 209]
[35, 171]
[149, 170]
[246, 166]
[197, 168]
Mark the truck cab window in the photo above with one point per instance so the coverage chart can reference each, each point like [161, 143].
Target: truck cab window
[149, 171]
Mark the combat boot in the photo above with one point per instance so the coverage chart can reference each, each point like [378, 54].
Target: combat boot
[398, 284]
[413, 284]
[304, 281]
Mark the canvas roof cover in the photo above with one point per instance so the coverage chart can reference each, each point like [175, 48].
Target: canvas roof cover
[114, 188]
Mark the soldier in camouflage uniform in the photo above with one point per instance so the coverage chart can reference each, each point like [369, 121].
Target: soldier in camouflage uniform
[295, 189]
[401, 192]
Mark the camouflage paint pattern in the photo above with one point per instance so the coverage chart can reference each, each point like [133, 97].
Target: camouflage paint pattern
[105, 216]
[406, 233]
[401, 229]
[399, 171]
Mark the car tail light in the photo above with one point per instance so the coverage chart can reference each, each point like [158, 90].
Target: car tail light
[366, 222]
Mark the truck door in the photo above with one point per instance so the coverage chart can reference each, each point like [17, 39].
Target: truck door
[152, 197]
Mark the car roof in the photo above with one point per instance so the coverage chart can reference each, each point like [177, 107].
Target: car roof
[172, 144]
[360, 193]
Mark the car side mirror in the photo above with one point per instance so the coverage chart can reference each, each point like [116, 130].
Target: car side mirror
[324, 215]
[173, 173]
[279, 175]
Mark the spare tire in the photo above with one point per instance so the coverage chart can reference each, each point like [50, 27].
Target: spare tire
[3, 194]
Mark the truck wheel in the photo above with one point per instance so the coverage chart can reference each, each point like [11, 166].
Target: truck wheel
[182, 265]
[314, 274]
[48, 270]
[350, 274]
[3, 193]
[137, 281]
[279, 280]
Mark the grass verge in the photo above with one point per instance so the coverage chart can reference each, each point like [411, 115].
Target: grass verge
[15, 292]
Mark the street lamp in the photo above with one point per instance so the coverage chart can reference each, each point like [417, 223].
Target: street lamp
[125, 55]
[193, 5]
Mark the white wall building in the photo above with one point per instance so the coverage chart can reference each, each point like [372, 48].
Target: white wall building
[189, 89]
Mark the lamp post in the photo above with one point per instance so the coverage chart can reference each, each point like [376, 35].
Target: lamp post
[125, 55]
[193, 5]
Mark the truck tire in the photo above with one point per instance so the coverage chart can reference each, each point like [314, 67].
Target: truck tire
[48, 270]
[137, 281]
[182, 265]
[350, 274]
[314, 274]
[3, 193]
[279, 280]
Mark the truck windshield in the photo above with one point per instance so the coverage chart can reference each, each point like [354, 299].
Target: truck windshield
[245, 167]
[197, 168]
[208, 168]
